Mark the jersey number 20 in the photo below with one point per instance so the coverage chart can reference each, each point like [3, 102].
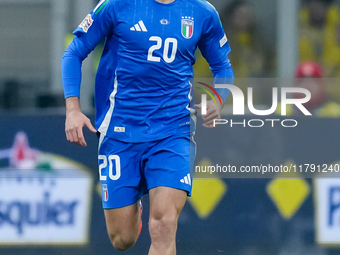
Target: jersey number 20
[159, 45]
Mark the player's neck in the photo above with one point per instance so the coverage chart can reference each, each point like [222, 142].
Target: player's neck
[165, 1]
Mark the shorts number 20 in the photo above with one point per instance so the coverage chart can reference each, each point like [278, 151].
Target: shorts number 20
[116, 159]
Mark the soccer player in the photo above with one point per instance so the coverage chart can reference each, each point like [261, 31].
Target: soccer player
[144, 114]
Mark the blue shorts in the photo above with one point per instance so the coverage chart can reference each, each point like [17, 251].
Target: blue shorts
[127, 171]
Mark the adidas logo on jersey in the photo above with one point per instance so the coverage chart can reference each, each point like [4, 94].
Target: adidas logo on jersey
[139, 27]
[186, 180]
[120, 129]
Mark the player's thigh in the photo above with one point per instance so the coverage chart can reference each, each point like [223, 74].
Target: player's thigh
[166, 202]
[123, 221]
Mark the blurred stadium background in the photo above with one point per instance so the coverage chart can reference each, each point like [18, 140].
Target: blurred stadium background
[55, 208]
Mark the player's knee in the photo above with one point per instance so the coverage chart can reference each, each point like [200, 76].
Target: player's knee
[163, 226]
[122, 243]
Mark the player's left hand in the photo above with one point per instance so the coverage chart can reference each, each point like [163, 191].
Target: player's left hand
[213, 112]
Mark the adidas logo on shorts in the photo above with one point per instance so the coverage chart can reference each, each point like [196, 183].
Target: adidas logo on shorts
[186, 179]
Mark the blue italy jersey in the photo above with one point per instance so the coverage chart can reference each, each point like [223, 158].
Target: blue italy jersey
[143, 85]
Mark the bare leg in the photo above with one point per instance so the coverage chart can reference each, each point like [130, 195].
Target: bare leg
[123, 226]
[165, 207]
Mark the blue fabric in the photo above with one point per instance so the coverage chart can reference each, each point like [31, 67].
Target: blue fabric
[144, 81]
[135, 168]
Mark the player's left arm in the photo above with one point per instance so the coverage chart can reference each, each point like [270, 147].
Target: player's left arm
[215, 48]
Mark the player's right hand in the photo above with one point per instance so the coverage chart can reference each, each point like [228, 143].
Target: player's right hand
[75, 121]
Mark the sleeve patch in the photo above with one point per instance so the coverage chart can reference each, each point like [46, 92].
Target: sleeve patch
[86, 23]
[224, 40]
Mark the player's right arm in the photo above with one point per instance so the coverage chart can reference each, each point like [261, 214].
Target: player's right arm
[96, 26]
[75, 121]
